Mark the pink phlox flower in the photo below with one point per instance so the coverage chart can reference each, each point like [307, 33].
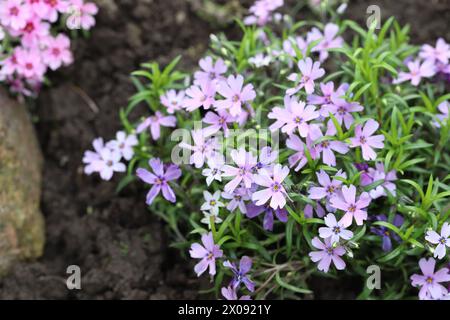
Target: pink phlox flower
[10, 65]
[341, 110]
[261, 12]
[218, 121]
[309, 72]
[328, 188]
[327, 147]
[417, 71]
[442, 240]
[324, 100]
[272, 182]
[352, 206]
[295, 115]
[430, 281]
[124, 144]
[210, 71]
[242, 172]
[57, 52]
[155, 122]
[299, 159]
[159, 179]
[334, 230]
[14, 14]
[91, 158]
[33, 33]
[54, 8]
[81, 15]
[31, 64]
[108, 163]
[173, 100]
[440, 53]
[235, 94]
[208, 253]
[202, 95]
[365, 139]
[328, 40]
[204, 147]
[327, 253]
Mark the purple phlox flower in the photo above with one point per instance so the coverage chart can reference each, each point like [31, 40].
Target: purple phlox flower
[325, 99]
[443, 117]
[328, 188]
[218, 121]
[230, 294]
[295, 115]
[385, 233]
[237, 199]
[334, 229]
[352, 206]
[440, 53]
[253, 211]
[212, 202]
[235, 94]
[273, 184]
[327, 146]
[442, 240]
[430, 281]
[200, 96]
[159, 179]
[91, 158]
[328, 253]
[173, 100]
[378, 174]
[210, 71]
[155, 122]
[108, 163]
[365, 178]
[124, 144]
[214, 170]
[240, 274]
[329, 40]
[261, 12]
[288, 47]
[203, 148]
[265, 160]
[308, 210]
[243, 172]
[341, 110]
[310, 71]
[208, 253]
[364, 138]
[416, 72]
[260, 60]
[295, 143]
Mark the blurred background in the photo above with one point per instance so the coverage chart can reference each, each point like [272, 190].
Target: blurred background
[123, 251]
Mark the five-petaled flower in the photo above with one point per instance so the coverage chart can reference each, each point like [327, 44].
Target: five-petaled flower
[442, 240]
[430, 281]
[208, 253]
[364, 138]
[328, 253]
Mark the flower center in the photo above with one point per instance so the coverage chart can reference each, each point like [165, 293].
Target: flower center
[362, 140]
[212, 202]
[109, 163]
[14, 11]
[325, 144]
[56, 51]
[29, 66]
[159, 180]
[212, 75]
[330, 251]
[298, 120]
[330, 189]
[29, 27]
[336, 230]
[210, 256]
[429, 280]
[276, 187]
[352, 208]
[442, 240]
[235, 98]
[342, 110]
[305, 78]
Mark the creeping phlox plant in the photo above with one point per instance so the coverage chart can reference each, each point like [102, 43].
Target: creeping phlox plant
[292, 154]
[32, 39]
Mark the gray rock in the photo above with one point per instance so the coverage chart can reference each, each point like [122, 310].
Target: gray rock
[22, 233]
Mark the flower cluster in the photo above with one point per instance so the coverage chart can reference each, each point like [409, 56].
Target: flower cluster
[282, 163]
[34, 47]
